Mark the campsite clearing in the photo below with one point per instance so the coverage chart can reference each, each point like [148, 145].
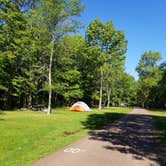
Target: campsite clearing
[27, 136]
[130, 140]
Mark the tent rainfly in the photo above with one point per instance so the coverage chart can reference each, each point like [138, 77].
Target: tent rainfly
[80, 107]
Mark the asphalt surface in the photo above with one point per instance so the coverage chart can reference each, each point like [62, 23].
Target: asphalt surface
[129, 141]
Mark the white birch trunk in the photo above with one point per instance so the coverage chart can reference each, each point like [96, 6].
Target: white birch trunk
[30, 94]
[101, 90]
[50, 80]
[108, 96]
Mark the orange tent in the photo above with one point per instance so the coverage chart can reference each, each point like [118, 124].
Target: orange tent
[80, 107]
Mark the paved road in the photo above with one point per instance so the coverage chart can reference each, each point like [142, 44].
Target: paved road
[129, 141]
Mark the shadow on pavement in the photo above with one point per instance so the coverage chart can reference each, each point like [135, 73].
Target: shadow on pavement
[133, 134]
[99, 121]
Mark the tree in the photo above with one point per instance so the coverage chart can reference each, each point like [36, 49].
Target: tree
[149, 74]
[30, 31]
[112, 44]
[66, 74]
[42, 61]
[57, 18]
[157, 96]
[13, 48]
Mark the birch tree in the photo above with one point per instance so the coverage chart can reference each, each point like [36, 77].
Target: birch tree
[56, 17]
[112, 44]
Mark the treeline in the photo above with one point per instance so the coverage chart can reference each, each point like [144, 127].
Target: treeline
[44, 62]
[40, 59]
[151, 90]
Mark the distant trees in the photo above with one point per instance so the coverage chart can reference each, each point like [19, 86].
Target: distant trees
[65, 72]
[14, 55]
[112, 47]
[30, 31]
[157, 97]
[56, 18]
[43, 62]
[151, 89]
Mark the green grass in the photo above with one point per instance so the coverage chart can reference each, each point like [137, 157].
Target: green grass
[160, 123]
[27, 136]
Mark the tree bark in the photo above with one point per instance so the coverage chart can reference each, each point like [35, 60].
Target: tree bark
[29, 98]
[50, 80]
[108, 96]
[101, 90]
[30, 101]
[143, 104]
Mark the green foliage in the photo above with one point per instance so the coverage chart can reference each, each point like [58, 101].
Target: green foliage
[151, 86]
[26, 35]
[36, 47]
[13, 46]
[148, 63]
[67, 75]
[124, 90]
[112, 45]
[158, 94]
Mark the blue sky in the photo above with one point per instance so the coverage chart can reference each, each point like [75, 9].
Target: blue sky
[143, 21]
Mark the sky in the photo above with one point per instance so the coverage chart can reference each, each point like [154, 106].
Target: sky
[143, 21]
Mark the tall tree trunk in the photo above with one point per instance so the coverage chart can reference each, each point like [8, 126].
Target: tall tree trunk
[143, 104]
[50, 80]
[144, 100]
[101, 90]
[108, 96]
[30, 100]
[30, 91]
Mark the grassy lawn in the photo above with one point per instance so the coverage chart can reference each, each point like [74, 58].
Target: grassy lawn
[160, 122]
[27, 136]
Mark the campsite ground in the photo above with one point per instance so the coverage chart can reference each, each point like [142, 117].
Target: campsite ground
[27, 136]
[130, 140]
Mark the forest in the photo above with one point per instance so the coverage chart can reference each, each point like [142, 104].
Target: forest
[45, 61]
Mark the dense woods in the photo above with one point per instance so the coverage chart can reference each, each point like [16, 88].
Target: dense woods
[43, 61]
[151, 84]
